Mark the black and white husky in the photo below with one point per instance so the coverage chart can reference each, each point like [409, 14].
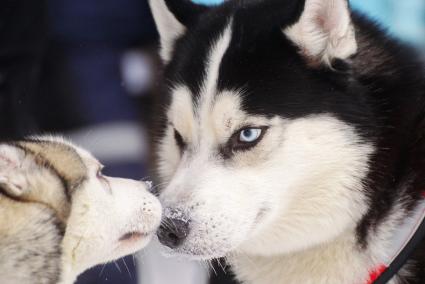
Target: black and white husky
[293, 142]
[59, 215]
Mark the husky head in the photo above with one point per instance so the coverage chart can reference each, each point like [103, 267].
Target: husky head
[263, 149]
[63, 216]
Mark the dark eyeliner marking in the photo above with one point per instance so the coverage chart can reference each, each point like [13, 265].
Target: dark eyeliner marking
[179, 140]
[235, 145]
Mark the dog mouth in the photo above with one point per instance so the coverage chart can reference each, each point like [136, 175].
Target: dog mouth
[134, 236]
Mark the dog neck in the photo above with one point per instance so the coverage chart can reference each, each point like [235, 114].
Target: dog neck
[339, 261]
[342, 260]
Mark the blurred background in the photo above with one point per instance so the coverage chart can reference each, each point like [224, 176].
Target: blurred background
[88, 69]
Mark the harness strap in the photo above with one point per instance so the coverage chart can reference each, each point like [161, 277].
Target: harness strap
[406, 241]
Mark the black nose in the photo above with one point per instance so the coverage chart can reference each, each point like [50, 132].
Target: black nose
[173, 232]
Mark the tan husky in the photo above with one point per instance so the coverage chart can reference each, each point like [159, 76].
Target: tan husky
[60, 215]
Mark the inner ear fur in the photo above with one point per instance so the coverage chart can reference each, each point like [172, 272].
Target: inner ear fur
[324, 32]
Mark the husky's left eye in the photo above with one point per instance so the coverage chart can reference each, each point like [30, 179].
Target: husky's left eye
[249, 135]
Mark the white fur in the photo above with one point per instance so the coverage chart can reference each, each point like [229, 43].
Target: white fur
[324, 31]
[209, 88]
[338, 261]
[101, 213]
[181, 115]
[99, 218]
[168, 27]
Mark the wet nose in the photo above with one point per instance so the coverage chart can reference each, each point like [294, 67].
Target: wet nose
[173, 232]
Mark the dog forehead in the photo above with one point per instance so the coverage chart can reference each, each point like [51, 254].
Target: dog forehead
[189, 102]
[225, 59]
[218, 115]
[60, 157]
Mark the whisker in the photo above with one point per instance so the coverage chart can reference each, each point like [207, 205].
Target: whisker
[117, 266]
[221, 265]
[212, 267]
[101, 271]
[126, 267]
[154, 189]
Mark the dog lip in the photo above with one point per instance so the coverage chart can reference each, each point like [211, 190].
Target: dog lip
[133, 236]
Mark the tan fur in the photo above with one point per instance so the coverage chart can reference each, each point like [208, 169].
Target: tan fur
[28, 232]
[71, 167]
[54, 206]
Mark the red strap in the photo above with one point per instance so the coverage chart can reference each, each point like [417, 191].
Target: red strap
[376, 273]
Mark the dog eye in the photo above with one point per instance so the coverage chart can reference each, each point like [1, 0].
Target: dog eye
[249, 135]
[242, 140]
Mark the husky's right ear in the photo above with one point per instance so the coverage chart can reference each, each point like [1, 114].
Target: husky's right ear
[172, 18]
[12, 178]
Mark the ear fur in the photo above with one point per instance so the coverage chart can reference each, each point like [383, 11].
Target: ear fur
[172, 17]
[324, 31]
[13, 185]
[12, 181]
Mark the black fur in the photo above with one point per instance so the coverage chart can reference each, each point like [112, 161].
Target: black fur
[179, 140]
[380, 91]
[186, 11]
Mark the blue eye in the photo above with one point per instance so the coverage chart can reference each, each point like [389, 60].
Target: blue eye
[249, 135]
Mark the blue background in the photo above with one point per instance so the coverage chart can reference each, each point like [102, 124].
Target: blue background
[403, 18]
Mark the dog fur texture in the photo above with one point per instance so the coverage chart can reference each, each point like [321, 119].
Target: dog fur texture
[337, 111]
[60, 215]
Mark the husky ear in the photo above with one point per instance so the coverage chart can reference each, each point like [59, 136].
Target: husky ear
[13, 185]
[12, 179]
[172, 17]
[324, 31]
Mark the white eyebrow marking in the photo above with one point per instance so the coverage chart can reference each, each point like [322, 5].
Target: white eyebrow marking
[215, 58]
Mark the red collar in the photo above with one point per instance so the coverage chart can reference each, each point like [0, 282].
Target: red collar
[374, 275]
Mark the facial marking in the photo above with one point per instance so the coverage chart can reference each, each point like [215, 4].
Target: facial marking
[181, 113]
[179, 140]
[185, 119]
[209, 90]
[71, 170]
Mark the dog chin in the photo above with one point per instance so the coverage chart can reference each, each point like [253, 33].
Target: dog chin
[192, 253]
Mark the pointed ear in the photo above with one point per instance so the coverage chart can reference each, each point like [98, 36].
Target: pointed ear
[12, 180]
[324, 31]
[172, 17]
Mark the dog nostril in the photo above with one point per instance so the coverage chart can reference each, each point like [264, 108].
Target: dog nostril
[174, 239]
[173, 232]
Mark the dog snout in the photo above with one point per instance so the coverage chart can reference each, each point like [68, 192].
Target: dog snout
[173, 232]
